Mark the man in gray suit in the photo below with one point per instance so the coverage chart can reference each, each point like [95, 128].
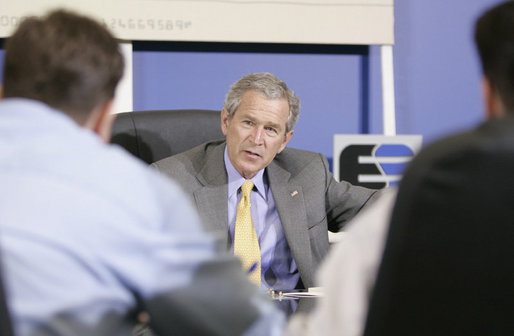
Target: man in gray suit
[295, 200]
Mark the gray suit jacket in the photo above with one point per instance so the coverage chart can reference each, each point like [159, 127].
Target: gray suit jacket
[308, 199]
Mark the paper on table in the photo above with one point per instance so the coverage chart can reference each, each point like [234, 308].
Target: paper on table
[311, 292]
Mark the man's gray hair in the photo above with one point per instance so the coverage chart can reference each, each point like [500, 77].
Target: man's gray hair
[270, 87]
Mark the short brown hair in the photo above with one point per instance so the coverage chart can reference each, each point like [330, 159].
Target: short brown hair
[68, 61]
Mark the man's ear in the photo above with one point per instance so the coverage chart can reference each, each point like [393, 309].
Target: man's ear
[1, 92]
[288, 137]
[493, 103]
[224, 120]
[101, 121]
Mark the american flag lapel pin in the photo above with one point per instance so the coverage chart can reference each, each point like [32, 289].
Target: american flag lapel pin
[294, 193]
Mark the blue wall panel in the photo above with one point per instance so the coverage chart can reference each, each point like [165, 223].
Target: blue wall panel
[328, 87]
[437, 78]
[436, 66]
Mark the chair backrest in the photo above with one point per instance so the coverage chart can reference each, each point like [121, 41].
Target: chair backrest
[5, 319]
[154, 135]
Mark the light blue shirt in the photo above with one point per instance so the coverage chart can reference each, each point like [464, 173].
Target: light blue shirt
[278, 268]
[87, 231]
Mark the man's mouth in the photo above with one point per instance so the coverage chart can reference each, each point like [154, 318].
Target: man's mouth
[252, 154]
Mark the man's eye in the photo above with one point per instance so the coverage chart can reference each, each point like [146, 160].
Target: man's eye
[271, 131]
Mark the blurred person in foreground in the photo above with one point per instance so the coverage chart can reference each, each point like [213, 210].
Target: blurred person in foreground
[89, 235]
[448, 259]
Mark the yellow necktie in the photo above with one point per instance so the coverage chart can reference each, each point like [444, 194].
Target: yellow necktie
[246, 244]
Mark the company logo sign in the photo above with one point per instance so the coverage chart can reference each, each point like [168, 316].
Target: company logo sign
[373, 161]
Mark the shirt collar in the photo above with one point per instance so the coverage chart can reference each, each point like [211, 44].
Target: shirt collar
[235, 180]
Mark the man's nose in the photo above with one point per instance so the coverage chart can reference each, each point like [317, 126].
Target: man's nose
[258, 134]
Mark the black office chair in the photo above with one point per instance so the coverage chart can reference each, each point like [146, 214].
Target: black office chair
[5, 319]
[154, 135]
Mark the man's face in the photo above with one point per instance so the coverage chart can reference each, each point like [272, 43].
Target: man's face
[256, 132]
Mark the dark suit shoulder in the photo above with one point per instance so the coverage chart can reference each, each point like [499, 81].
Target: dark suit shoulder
[440, 149]
[194, 157]
[295, 160]
[187, 167]
[491, 140]
[470, 166]
[290, 152]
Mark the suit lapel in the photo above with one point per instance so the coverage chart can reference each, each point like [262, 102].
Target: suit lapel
[211, 199]
[290, 204]
[211, 202]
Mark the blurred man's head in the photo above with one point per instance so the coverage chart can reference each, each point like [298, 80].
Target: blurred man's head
[494, 37]
[67, 61]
